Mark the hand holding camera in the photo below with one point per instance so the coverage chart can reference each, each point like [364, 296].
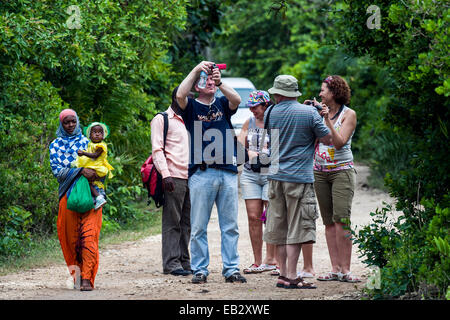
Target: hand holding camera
[215, 69]
[210, 68]
[314, 103]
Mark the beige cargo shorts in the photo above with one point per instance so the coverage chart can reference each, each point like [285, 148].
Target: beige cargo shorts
[292, 213]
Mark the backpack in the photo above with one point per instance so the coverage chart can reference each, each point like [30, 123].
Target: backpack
[151, 178]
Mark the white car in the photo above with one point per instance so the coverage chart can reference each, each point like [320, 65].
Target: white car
[244, 87]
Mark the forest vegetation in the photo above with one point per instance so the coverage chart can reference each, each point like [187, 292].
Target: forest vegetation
[118, 61]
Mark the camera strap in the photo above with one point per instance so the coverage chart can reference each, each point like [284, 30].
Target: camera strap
[266, 124]
[338, 113]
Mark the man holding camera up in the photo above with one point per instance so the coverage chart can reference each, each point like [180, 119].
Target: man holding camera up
[212, 168]
[292, 206]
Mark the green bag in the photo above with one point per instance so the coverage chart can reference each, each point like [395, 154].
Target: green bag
[80, 199]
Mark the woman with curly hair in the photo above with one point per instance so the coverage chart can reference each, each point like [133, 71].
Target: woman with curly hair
[334, 176]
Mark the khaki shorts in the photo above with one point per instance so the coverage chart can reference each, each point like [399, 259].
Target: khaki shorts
[334, 191]
[292, 213]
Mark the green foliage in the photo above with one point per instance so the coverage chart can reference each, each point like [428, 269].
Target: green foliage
[399, 75]
[377, 239]
[252, 42]
[412, 143]
[29, 107]
[412, 254]
[412, 250]
[119, 64]
[190, 45]
[443, 246]
[412, 44]
[16, 236]
[300, 41]
[112, 68]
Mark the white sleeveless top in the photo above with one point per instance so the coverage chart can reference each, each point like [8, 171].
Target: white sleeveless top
[254, 137]
[327, 158]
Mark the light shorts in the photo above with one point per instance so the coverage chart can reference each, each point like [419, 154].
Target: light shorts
[334, 191]
[253, 185]
[292, 213]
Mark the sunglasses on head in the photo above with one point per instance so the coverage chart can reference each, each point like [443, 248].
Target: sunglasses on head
[328, 79]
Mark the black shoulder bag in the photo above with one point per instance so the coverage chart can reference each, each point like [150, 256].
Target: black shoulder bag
[256, 167]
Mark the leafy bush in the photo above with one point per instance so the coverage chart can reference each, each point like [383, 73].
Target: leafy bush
[28, 110]
[411, 45]
[411, 250]
[15, 226]
[113, 68]
[377, 239]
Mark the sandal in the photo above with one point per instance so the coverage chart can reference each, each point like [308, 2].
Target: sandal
[269, 267]
[275, 272]
[303, 274]
[299, 283]
[282, 282]
[86, 285]
[330, 276]
[254, 268]
[347, 277]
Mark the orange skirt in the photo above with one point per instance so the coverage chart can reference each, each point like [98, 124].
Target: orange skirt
[78, 235]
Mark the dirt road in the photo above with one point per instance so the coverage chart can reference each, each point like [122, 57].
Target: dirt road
[133, 270]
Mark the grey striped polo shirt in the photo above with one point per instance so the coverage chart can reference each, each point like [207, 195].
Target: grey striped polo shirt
[298, 126]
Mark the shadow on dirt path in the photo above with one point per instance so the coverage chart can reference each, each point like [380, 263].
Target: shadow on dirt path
[133, 270]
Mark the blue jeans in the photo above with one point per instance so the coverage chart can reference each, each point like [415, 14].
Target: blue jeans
[207, 187]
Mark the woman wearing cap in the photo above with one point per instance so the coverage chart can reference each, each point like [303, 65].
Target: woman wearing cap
[254, 185]
[78, 233]
[335, 176]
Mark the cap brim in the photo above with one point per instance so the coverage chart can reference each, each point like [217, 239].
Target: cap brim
[250, 105]
[290, 94]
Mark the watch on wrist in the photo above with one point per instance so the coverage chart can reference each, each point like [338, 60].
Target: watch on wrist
[218, 85]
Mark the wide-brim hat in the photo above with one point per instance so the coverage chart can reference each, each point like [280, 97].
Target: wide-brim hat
[285, 85]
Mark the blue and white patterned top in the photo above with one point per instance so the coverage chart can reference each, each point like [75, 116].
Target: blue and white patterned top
[63, 151]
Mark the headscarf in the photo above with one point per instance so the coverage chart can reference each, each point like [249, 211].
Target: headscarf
[61, 133]
[65, 113]
[63, 151]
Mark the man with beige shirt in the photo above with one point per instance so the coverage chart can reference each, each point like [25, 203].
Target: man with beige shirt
[172, 162]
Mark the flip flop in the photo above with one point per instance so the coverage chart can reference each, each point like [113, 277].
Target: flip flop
[299, 283]
[254, 268]
[275, 272]
[303, 274]
[347, 277]
[269, 267]
[330, 276]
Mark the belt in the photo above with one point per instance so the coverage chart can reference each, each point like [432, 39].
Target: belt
[204, 166]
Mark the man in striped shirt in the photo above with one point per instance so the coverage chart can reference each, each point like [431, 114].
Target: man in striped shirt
[292, 207]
